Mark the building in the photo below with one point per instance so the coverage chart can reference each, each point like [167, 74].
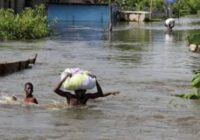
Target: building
[65, 10]
[74, 1]
[18, 5]
[78, 12]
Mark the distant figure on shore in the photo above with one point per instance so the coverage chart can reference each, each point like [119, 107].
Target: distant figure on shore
[29, 98]
[169, 23]
[80, 97]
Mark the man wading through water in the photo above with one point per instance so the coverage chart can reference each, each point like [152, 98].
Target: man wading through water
[80, 97]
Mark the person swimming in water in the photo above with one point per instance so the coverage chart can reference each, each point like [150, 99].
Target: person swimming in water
[80, 97]
[28, 94]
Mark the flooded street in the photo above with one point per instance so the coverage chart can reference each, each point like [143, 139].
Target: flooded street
[139, 60]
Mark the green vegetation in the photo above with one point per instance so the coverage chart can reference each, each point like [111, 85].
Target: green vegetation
[184, 7]
[139, 4]
[180, 7]
[29, 24]
[194, 38]
[196, 85]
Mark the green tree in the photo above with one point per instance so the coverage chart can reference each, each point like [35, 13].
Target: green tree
[180, 6]
[29, 24]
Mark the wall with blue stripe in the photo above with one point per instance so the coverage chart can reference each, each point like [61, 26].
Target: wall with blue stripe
[78, 13]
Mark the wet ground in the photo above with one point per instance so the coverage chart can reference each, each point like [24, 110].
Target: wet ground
[146, 65]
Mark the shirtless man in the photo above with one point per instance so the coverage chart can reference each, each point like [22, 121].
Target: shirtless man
[80, 97]
[29, 98]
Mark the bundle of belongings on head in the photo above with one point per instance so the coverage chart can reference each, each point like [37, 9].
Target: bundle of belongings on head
[170, 23]
[80, 79]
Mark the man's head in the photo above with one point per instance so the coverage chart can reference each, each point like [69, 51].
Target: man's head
[28, 88]
[80, 93]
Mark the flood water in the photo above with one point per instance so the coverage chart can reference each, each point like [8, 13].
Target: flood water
[139, 60]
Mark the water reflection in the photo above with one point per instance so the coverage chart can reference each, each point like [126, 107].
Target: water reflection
[79, 31]
[169, 38]
[133, 35]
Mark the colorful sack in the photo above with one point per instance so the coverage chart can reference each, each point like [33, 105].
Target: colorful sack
[80, 80]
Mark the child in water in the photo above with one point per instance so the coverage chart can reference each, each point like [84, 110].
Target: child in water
[29, 98]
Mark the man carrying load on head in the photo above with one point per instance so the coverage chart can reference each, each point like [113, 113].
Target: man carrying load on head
[169, 23]
[80, 97]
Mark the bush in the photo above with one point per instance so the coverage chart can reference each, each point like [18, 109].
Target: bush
[196, 85]
[194, 38]
[29, 24]
[180, 7]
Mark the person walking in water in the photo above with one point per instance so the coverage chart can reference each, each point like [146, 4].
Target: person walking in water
[80, 97]
[28, 94]
[169, 23]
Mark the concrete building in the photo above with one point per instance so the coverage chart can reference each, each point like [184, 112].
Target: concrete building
[16, 5]
[78, 12]
[65, 10]
[73, 1]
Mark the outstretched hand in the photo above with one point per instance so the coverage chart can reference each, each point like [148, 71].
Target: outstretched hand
[115, 93]
[92, 75]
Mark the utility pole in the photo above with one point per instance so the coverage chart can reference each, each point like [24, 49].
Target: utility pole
[110, 15]
[151, 5]
[179, 2]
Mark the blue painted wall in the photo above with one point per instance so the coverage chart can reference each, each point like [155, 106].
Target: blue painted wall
[78, 13]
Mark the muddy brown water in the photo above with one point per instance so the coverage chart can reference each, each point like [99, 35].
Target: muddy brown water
[140, 60]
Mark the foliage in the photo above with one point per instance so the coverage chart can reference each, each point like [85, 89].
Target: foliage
[194, 95]
[196, 85]
[193, 6]
[125, 4]
[196, 80]
[183, 7]
[194, 38]
[179, 7]
[139, 4]
[142, 4]
[29, 24]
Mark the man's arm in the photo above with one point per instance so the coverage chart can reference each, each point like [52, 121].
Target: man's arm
[111, 93]
[172, 25]
[35, 101]
[59, 91]
[165, 25]
[99, 93]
